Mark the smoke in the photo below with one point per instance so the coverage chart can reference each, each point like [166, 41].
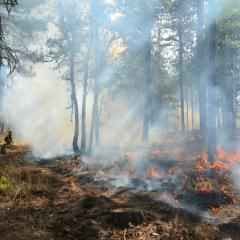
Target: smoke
[35, 108]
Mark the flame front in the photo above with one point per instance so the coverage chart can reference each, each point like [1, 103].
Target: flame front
[224, 160]
[153, 172]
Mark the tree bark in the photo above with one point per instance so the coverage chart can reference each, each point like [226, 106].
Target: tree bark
[192, 106]
[75, 104]
[147, 85]
[85, 93]
[180, 34]
[212, 95]
[228, 91]
[95, 124]
[200, 69]
[2, 127]
[187, 112]
[84, 107]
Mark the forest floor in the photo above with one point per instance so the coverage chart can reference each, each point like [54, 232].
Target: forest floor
[41, 200]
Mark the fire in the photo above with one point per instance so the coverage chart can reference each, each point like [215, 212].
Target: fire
[204, 186]
[224, 160]
[202, 162]
[224, 190]
[153, 172]
[223, 163]
[231, 157]
[215, 211]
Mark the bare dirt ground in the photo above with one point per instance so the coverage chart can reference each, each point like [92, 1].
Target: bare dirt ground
[42, 201]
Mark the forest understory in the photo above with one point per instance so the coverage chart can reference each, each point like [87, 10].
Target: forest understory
[73, 197]
[130, 113]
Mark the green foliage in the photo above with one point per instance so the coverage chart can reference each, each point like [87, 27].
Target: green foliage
[228, 43]
[11, 3]
[5, 184]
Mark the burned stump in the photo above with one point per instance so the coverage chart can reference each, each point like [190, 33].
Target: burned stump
[122, 218]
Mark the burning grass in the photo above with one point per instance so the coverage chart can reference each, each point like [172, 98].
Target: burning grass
[195, 184]
[154, 198]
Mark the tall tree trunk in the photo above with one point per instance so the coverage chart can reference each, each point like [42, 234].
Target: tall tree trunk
[84, 103]
[228, 91]
[180, 34]
[212, 92]
[2, 127]
[2, 81]
[229, 112]
[147, 85]
[97, 118]
[85, 93]
[192, 106]
[75, 104]
[223, 106]
[93, 123]
[219, 117]
[187, 113]
[200, 69]
[1, 39]
[95, 110]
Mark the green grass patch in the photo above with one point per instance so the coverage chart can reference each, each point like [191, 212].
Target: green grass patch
[6, 184]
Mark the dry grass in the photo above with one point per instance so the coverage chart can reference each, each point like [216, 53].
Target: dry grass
[41, 204]
[19, 183]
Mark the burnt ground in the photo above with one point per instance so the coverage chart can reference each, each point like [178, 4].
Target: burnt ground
[43, 200]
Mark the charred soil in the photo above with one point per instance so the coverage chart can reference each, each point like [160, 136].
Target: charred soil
[45, 201]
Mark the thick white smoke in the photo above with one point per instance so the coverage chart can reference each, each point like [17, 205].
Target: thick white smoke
[35, 108]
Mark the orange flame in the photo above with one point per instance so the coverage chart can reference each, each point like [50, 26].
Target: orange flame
[153, 173]
[224, 160]
[204, 186]
[215, 211]
[224, 190]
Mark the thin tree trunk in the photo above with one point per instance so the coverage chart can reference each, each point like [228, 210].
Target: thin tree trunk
[75, 104]
[192, 106]
[84, 102]
[187, 113]
[228, 98]
[180, 32]
[1, 39]
[223, 104]
[200, 69]
[2, 81]
[97, 119]
[95, 111]
[2, 127]
[230, 123]
[93, 123]
[85, 93]
[219, 122]
[147, 85]
[212, 95]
